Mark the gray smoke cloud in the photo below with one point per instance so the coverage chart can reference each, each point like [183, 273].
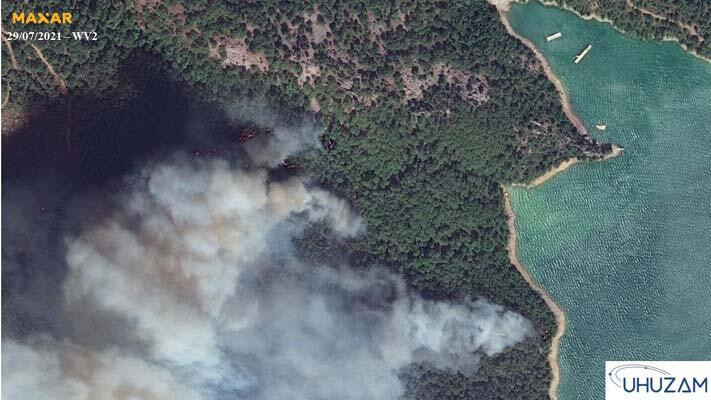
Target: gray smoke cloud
[43, 369]
[197, 263]
[286, 138]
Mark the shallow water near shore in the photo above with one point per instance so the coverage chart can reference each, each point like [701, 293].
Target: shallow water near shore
[624, 246]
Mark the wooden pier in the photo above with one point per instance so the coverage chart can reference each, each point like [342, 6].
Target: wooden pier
[581, 55]
[553, 36]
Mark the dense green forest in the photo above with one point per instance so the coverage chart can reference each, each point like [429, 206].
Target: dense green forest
[428, 108]
[689, 21]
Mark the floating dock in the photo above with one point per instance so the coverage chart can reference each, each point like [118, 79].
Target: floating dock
[553, 36]
[601, 127]
[581, 55]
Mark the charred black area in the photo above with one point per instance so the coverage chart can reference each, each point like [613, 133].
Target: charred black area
[92, 140]
[62, 169]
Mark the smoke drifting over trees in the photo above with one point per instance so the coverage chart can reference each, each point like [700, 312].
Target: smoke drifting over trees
[188, 287]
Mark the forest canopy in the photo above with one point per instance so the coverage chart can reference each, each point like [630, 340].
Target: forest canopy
[428, 108]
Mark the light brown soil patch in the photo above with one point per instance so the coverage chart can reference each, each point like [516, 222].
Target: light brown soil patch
[319, 31]
[237, 53]
[178, 13]
[473, 89]
[10, 53]
[309, 72]
[375, 29]
[60, 82]
[13, 118]
[315, 106]
[143, 5]
[399, 20]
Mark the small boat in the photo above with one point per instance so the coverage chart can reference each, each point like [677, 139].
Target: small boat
[601, 127]
[553, 36]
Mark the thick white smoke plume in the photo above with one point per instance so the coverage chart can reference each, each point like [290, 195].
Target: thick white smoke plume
[198, 263]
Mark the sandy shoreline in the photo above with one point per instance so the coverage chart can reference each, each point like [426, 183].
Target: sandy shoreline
[616, 151]
[502, 8]
[549, 73]
[513, 235]
[513, 258]
[554, 307]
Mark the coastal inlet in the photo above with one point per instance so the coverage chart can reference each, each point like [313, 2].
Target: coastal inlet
[623, 245]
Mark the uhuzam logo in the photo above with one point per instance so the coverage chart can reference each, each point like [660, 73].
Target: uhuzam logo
[657, 380]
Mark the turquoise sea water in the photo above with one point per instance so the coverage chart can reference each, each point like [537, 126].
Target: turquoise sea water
[624, 246]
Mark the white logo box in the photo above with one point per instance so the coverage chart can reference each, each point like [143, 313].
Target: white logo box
[657, 380]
